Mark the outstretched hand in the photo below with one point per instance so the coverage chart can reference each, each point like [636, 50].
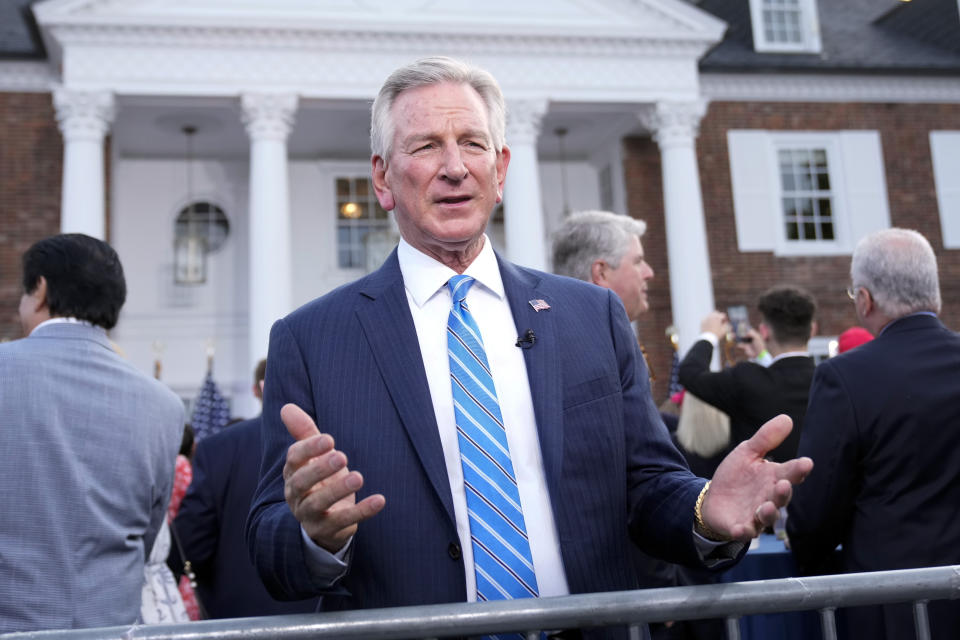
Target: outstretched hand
[319, 487]
[747, 491]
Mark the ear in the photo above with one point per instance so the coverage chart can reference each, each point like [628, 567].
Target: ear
[502, 162]
[39, 295]
[598, 273]
[380, 186]
[764, 331]
[814, 328]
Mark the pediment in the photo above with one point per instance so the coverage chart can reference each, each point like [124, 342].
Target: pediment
[671, 19]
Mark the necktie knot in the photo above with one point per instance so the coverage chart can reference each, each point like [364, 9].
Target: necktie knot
[459, 286]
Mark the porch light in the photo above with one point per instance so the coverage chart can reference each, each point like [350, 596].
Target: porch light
[189, 246]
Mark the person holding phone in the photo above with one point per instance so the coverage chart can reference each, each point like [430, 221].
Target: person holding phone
[750, 392]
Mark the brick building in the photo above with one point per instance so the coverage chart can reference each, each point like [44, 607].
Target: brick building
[814, 122]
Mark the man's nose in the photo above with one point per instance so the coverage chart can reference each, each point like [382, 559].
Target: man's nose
[453, 167]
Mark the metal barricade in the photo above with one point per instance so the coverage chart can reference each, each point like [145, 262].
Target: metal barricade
[623, 608]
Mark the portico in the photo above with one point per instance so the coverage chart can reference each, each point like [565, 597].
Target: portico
[279, 92]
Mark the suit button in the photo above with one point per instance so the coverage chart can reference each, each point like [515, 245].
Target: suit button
[454, 551]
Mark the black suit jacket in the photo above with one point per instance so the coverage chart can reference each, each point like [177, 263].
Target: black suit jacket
[751, 394]
[211, 524]
[883, 429]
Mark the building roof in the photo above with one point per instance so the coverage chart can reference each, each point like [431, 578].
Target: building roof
[19, 38]
[860, 36]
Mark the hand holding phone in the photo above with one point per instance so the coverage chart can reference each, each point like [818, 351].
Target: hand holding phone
[740, 321]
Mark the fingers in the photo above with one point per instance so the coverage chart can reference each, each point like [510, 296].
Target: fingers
[770, 435]
[795, 471]
[300, 425]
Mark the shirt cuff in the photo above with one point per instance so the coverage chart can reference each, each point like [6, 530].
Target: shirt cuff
[325, 566]
[714, 553]
[710, 337]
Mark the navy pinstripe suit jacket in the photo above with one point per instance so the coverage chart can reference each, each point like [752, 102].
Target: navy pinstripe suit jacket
[351, 359]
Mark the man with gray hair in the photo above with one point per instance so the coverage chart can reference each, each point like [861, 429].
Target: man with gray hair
[604, 248]
[883, 427]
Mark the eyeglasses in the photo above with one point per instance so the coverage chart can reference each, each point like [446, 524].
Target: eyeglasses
[852, 292]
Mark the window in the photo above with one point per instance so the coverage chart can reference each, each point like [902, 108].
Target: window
[359, 214]
[945, 152]
[785, 26]
[807, 201]
[806, 193]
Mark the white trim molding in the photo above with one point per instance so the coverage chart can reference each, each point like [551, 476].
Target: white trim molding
[813, 87]
[26, 77]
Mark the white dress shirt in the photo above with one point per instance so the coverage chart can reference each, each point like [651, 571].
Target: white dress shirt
[425, 281]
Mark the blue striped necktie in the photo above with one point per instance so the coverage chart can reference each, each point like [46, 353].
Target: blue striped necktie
[501, 551]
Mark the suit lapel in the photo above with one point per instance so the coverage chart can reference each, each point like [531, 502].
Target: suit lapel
[385, 317]
[542, 360]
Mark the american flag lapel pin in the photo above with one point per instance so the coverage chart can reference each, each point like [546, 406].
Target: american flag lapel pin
[539, 305]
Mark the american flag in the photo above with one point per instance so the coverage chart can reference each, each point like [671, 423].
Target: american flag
[210, 411]
[675, 386]
[539, 305]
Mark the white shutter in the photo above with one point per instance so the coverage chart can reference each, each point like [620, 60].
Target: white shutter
[865, 183]
[755, 190]
[945, 151]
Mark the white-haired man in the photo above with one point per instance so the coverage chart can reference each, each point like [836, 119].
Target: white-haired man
[492, 467]
[883, 426]
[605, 248]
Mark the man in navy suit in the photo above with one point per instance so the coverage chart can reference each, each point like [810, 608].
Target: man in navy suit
[883, 426]
[368, 364]
[210, 524]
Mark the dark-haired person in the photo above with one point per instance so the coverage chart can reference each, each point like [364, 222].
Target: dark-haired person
[96, 441]
[751, 393]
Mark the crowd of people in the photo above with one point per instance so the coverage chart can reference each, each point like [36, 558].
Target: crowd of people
[453, 427]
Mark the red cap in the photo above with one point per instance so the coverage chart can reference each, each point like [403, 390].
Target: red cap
[853, 337]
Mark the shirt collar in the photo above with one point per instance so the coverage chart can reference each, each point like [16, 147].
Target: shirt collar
[423, 276]
[791, 354]
[59, 320]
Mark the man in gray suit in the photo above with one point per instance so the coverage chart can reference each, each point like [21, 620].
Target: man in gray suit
[90, 445]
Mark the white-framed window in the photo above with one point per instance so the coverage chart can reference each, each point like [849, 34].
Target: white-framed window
[801, 193]
[945, 154]
[359, 218]
[785, 26]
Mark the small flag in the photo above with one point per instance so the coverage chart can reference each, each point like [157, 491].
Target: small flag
[675, 386]
[539, 305]
[210, 411]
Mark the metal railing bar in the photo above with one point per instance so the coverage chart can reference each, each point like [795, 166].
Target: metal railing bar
[828, 623]
[921, 620]
[566, 612]
[733, 628]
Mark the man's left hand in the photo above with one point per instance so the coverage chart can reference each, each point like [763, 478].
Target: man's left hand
[747, 491]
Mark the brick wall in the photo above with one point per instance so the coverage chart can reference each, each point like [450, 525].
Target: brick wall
[740, 278]
[31, 157]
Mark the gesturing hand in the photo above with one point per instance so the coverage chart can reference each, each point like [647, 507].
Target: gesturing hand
[319, 488]
[747, 491]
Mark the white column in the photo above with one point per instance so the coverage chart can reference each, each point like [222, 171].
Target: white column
[269, 119]
[674, 126]
[523, 206]
[84, 118]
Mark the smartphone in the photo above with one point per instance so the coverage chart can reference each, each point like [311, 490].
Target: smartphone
[740, 320]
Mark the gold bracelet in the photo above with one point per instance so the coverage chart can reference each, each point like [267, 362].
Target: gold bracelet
[702, 527]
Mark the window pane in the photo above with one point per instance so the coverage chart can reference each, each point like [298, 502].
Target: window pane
[823, 181]
[343, 187]
[789, 211]
[809, 231]
[826, 207]
[826, 230]
[363, 187]
[792, 233]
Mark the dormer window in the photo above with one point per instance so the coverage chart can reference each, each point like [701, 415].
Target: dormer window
[785, 26]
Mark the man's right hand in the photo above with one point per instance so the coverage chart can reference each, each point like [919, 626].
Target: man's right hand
[716, 323]
[319, 488]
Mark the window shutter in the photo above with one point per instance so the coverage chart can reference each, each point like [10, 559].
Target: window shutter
[865, 183]
[755, 203]
[945, 150]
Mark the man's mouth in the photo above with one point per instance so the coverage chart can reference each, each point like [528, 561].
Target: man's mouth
[453, 199]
